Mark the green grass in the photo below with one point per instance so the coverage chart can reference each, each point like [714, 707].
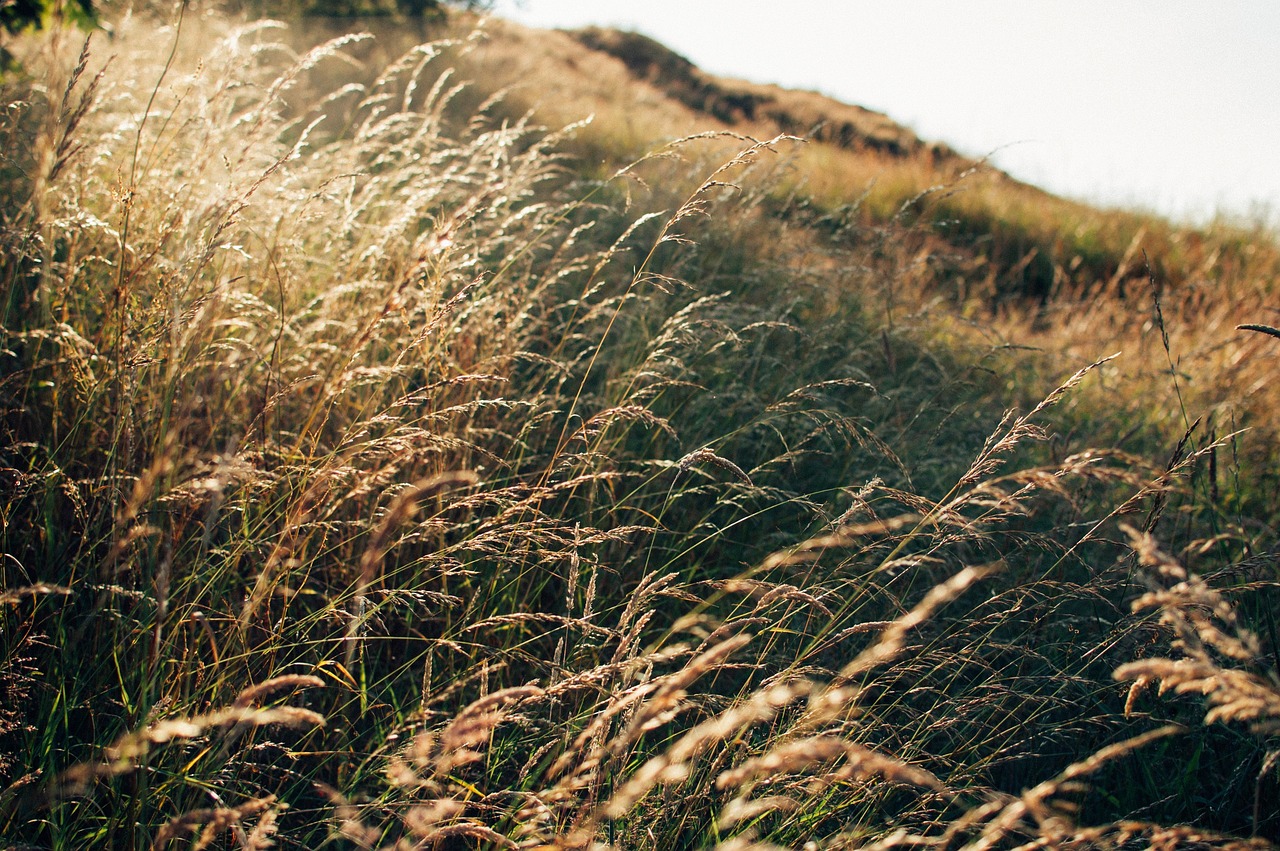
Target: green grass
[377, 473]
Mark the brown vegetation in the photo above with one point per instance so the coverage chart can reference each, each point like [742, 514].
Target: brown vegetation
[383, 470]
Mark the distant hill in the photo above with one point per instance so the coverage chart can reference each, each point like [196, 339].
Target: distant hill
[737, 102]
[859, 165]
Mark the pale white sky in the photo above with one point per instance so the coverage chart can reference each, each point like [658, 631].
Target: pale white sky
[1171, 105]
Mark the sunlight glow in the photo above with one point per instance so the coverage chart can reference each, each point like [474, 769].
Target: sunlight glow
[1167, 105]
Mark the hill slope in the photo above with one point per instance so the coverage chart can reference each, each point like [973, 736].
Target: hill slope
[770, 109]
[1045, 272]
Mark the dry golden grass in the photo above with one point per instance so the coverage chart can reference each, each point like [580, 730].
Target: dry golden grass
[664, 504]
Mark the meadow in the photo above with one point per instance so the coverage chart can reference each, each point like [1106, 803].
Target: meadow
[393, 458]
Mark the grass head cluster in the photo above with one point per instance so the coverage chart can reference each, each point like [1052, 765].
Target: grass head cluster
[378, 475]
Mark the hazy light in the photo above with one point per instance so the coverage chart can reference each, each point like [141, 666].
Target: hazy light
[1170, 105]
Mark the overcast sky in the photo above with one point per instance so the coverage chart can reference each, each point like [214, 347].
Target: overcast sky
[1171, 105]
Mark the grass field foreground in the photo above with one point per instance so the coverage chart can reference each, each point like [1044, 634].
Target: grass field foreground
[378, 474]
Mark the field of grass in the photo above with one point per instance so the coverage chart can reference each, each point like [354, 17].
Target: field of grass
[386, 465]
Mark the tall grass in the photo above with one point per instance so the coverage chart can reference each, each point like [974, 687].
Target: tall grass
[376, 479]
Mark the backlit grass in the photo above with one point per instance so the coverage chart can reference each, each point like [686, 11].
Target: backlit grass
[385, 470]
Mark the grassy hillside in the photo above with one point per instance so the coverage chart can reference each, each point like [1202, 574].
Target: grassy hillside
[1030, 269]
[387, 464]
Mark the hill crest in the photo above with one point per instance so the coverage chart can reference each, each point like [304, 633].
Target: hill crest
[795, 112]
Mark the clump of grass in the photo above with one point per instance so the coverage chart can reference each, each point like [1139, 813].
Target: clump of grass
[568, 529]
[1219, 657]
